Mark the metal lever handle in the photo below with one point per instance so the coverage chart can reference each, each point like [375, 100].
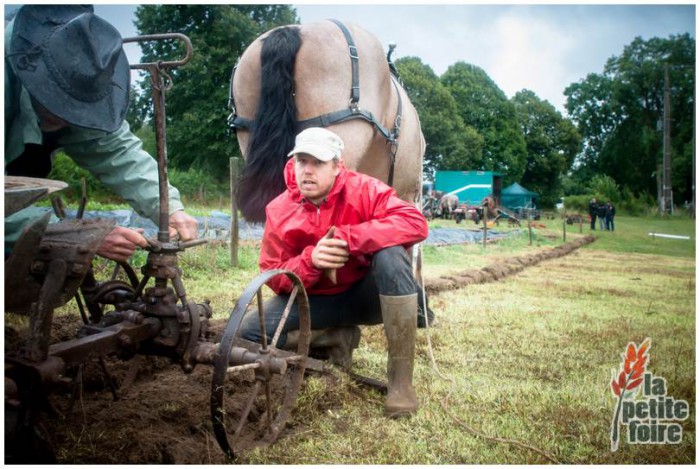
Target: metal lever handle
[161, 37]
[158, 72]
[155, 245]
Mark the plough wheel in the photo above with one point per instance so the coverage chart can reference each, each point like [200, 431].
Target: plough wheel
[257, 412]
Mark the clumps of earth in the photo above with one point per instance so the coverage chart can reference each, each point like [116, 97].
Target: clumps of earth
[501, 269]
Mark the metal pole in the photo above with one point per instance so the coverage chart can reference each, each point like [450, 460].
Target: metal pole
[158, 93]
[667, 188]
[157, 71]
[485, 214]
[659, 187]
[692, 215]
[234, 166]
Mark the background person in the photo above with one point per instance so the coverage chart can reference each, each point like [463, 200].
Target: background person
[610, 217]
[331, 219]
[601, 211]
[67, 86]
[592, 212]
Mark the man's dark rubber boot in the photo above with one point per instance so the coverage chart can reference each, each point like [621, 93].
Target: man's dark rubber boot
[334, 344]
[399, 315]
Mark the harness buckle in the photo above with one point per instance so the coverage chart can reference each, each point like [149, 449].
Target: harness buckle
[353, 52]
[354, 105]
[230, 126]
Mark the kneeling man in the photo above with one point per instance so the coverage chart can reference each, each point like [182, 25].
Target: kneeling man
[346, 235]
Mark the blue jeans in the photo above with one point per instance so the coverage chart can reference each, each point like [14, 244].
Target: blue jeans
[610, 223]
[390, 274]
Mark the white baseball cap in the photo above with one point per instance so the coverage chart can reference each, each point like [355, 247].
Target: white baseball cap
[319, 143]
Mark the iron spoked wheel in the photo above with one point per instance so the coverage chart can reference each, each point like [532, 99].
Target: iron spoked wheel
[257, 412]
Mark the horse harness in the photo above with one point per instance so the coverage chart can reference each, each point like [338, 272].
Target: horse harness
[352, 112]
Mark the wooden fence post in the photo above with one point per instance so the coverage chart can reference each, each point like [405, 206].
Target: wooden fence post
[529, 229]
[564, 229]
[234, 164]
[485, 212]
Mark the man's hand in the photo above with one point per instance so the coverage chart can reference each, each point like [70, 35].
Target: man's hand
[120, 243]
[330, 254]
[182, 224]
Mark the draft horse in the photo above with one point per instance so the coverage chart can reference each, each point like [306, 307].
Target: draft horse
[323, 74]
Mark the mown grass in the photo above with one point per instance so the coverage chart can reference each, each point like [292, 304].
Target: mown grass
[632, 235]
[528, 358]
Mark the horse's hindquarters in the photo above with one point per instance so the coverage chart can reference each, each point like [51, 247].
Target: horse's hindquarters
[322, 82]
[409, 154]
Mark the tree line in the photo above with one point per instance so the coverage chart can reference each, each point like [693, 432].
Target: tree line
[611, 133]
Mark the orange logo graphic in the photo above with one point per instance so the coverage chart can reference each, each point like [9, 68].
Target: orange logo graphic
[652, 419]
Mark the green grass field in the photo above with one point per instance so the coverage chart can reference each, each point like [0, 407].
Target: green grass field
[516, 371]
[519, 371]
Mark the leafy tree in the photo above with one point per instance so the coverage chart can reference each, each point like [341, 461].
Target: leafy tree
[590, 105]
[484, 106]
[133, 114]
[450, 144]
[552, 144]
[618, 113]
[196, 107]
[604, 188]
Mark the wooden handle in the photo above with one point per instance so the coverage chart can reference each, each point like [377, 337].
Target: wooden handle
[331, 273]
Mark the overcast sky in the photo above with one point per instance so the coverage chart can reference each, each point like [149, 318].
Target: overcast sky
[540, 47]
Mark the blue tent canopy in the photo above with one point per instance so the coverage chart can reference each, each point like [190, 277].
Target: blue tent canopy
[516, 196]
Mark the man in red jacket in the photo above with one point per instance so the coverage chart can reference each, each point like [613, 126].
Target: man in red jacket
[346, 236]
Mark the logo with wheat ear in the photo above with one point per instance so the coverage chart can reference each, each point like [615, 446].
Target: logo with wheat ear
[625, 383]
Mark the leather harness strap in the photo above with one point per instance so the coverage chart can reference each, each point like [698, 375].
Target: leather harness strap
[234, 120]
[352, 112]
[355, 63]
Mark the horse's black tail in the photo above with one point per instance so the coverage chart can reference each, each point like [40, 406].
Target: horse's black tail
[272, 132]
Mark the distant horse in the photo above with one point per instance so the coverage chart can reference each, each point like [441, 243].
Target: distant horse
[323, 74]
[489, 203]
[448, 203]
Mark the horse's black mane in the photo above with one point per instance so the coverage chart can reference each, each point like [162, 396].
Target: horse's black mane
[273, 130]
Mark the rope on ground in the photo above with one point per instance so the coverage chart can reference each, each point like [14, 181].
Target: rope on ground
[444, 401]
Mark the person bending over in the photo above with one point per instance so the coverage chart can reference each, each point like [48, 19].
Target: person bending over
[67, 87]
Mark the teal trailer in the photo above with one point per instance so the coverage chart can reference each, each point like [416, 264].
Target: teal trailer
[470, 186]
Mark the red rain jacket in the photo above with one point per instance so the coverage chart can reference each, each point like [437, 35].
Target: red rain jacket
[367, 214]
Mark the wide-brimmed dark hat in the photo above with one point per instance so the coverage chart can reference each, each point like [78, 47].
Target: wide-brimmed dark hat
[72, 63]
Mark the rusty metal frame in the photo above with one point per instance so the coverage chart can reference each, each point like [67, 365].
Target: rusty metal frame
[56, 261]
[161, 82]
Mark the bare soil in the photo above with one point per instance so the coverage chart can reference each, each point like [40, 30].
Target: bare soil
[163, 416]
